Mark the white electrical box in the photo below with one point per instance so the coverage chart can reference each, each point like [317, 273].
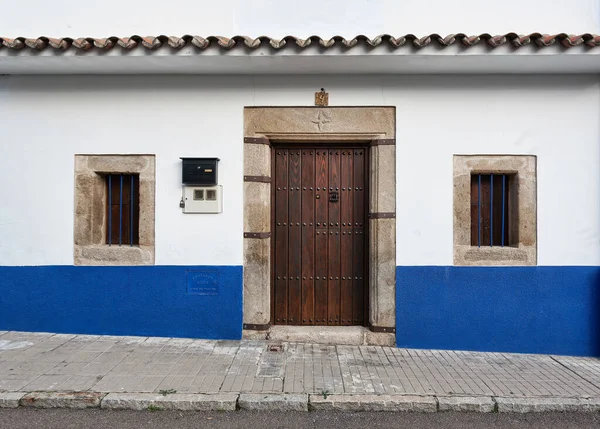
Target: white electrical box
[203, 199]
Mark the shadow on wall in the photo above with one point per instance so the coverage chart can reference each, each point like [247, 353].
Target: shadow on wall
[345, 87]
[553, 310]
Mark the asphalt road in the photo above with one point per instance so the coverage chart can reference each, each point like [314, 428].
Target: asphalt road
[65, 419]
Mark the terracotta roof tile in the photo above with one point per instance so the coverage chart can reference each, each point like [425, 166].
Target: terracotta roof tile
[156, 42]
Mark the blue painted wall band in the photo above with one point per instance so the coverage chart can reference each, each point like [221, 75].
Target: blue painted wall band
[512, 309]
[553, 310]
[166, 301]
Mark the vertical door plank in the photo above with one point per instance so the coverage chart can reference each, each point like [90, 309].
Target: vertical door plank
[321, 297]
[295, 238]
[346, 199]
[334, 256]
[347, 207]
[281, 235]
[322, 182]
[308, 236]
[358, 234]
[333, 288]
[321, 220]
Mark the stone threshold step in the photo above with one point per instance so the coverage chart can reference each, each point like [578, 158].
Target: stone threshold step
[331, 335]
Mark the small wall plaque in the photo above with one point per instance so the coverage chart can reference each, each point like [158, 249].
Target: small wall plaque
[321, 98]
[202, 283]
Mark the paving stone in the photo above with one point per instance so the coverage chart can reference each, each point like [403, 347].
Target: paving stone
[273, 402]
[62, 399]
[539, 405]
[425, 404]
[479, 404]
[175, 401]
[10, 399]
[13, 384]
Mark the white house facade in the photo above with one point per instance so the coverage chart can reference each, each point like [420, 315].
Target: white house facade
[362, 166]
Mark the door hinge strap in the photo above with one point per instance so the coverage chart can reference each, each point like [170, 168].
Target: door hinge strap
[380, 142]
[261, 179]
[257, 235]
[256, 140]
[257, 327]
[382, 329]
[382, 215]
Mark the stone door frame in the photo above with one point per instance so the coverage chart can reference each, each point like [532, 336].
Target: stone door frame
[375, 126]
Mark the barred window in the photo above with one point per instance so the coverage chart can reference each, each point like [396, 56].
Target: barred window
[122, 209]
[491, 209]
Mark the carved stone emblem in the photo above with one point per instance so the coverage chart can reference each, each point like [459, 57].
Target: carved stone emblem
[322, 118]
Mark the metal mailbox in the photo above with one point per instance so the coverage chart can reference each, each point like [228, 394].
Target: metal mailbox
[199, 171]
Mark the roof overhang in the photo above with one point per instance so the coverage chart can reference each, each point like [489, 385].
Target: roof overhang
[162, 55]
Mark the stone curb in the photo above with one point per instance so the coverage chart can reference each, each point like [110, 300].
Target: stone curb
[10, 399]
[273, 402]
[539, 405]
[174, 401]
[476, 404]
[295, 402]
[62, 399]
[423, 404]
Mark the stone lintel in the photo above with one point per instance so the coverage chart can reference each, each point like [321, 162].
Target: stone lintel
[377, 122]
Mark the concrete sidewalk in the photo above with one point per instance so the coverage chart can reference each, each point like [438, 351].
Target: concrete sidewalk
[56, 370]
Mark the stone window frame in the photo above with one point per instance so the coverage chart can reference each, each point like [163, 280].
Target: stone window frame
[90, 247]
[524, 168]
[373, 125]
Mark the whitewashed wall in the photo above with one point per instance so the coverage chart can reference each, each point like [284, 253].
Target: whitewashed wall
[44, 121]
[301, 18]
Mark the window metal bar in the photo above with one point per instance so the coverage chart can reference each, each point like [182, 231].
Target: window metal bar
[479, 211]
[109, 209]
[121, 212]
[491, 210]
[131, 214]
[503, 194]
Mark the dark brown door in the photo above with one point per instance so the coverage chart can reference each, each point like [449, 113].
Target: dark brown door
[319, 235]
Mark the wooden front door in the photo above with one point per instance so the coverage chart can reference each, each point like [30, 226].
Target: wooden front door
[319, 268]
